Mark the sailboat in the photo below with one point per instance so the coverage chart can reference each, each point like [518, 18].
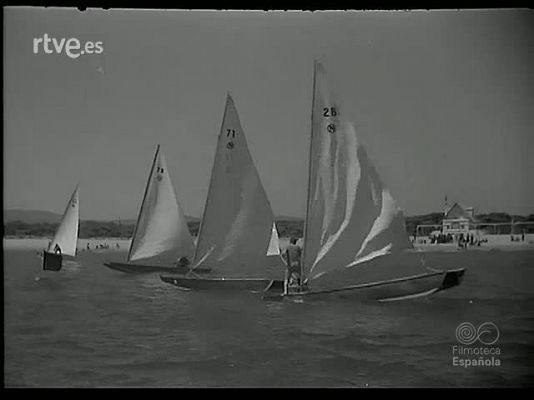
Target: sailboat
[63, 245]
[161, 236]
[355, 242]
[237, 239]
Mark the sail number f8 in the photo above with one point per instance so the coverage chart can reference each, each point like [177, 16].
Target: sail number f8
[329, 112]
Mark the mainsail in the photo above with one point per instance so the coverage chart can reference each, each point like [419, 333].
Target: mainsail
[237, 225]
[351, 216]
[66, 236]
[161, 231]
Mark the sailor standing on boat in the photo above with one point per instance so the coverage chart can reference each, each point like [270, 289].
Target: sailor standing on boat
[57, 249]
[292, 255]
[183, 262]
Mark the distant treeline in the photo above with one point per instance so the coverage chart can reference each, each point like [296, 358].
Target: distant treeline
[286, 228]
[88, 229]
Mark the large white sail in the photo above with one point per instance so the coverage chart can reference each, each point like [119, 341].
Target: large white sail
[237, 224]
[351, 216]
[66, 236]
[161, 231]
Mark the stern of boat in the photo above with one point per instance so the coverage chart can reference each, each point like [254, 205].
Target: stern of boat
[52, 262]
[452, 278]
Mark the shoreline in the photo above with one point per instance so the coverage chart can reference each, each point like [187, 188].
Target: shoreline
[495, 242]
[40, 243]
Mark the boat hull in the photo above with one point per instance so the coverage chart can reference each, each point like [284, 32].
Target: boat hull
[391, 290]
[223, 284]
[147, 269]
[52, 261]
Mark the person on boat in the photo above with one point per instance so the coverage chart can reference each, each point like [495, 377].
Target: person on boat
[292, 256]
[57, 249]
[183, 262]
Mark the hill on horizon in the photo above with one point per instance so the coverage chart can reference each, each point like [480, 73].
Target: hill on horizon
[31, 216]
[49, 217]
[42, 216]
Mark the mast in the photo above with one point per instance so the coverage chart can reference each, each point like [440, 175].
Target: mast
[309, 177]
[77, 218]
[142, 203]
[201, 224]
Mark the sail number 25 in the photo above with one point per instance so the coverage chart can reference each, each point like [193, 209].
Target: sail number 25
[329, 112]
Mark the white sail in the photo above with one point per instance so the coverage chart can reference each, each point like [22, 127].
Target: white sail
[236, 227]
[351, 217]
[66, 236]
[274, 243]
[161, 231]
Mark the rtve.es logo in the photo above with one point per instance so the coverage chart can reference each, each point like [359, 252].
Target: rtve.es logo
[73, 47]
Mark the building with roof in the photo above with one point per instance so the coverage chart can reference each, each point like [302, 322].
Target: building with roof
[458, 220]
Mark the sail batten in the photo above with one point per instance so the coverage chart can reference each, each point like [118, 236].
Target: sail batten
[161, 231]
[351, 216]
[66, 236]
[237, 226]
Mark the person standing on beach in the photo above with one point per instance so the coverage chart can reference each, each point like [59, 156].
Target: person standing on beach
[292, 256]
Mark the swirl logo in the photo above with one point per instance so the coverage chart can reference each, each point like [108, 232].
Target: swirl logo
[487, 333]
[466, 333]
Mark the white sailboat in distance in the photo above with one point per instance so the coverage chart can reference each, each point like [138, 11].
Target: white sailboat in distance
[237, 240]
[161, 237]
[354, 234]
[65, 239]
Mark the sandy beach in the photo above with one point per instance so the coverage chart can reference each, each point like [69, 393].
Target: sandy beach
[494, 242]
[37, 243]
[500, 242]
[42, 243]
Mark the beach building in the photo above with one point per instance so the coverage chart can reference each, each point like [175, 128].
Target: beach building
[458, 220]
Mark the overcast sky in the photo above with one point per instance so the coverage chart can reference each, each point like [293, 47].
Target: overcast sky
[442, 100]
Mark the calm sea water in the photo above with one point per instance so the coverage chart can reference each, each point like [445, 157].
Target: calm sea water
[88, 326]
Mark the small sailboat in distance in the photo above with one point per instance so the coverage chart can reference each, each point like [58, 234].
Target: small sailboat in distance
[66, 237]
[161, 238]
[237, 240]
[354, 233]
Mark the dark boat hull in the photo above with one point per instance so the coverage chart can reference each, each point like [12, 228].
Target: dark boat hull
[147, 269]
[391, 290]
[52, 261]
[224, 284]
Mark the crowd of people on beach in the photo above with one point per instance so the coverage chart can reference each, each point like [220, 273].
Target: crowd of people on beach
[101, 246]
[517, 239]
[462, 240]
